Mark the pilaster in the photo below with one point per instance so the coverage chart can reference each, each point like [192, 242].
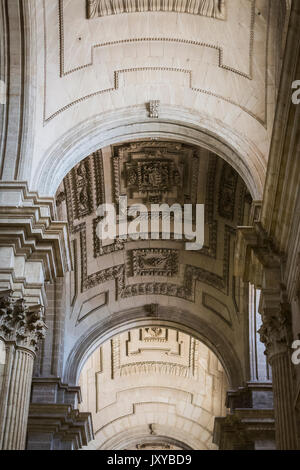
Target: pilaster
[21, 329]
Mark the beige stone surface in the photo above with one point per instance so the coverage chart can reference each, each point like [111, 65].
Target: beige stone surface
[204, 70]
[108, 278]
[85, 87]
[154, 381]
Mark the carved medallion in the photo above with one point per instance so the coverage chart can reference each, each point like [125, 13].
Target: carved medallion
[154, 262]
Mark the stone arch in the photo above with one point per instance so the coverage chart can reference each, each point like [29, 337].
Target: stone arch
[123, 440]
[181, 320]
[131, 124]
[165, 435]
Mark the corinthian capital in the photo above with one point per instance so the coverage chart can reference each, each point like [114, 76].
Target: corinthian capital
[276, 330]
[20, 324]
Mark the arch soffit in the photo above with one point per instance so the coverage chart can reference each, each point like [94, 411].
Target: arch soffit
[181, 320]
[132, 124]
[122, 440]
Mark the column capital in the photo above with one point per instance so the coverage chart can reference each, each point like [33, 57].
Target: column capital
[20, 324]
[275, 332]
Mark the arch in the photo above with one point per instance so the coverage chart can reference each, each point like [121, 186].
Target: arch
[171, 317]
[130, 124]
[121, 441]
[137, 435]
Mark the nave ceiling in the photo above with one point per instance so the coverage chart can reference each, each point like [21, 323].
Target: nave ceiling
[153, 385]
[94, 68]
[111, 277]
[162, 102]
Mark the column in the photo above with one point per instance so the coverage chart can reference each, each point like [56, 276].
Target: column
[21, 328]
[275, 333]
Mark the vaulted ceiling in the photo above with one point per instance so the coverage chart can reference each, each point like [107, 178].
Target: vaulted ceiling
[153, 387]
[114, 276]
[95, 66]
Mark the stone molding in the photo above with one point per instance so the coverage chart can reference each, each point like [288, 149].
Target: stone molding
[257, 395]
[139, 435]
[241, 430]
[189, 73]
[51, 390]
[210, 8]
[180, 124]
[69, 427]
[55, 422]
[159, 317]
[36, 247]
[27, 222]
[255, 252]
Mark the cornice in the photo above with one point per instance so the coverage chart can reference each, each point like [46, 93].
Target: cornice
[280, 166]
[27, 224]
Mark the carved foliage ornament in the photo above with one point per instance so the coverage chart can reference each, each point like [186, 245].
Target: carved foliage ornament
[275, 332]
[210, 8]
[20, 324]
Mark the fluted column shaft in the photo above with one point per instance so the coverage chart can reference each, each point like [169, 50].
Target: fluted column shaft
[15, 397]
[286, 432]
[20, 330]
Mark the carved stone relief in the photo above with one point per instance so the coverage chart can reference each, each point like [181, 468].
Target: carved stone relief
[228, 186]
[130, 356]
[84, 189]
[154, 109]
[146, 172]
[211, 8]
[155, 172]
[154, 334]
[81, 177]
[154, 262]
